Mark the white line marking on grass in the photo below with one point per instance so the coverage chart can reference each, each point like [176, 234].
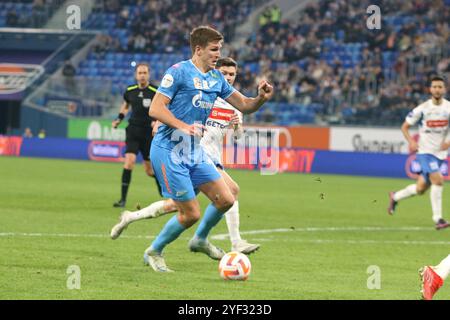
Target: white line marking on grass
[328, 241]
[67, 235]
[225, 236]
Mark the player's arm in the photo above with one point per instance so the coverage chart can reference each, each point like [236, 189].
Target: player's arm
[160, 112]
[124, 108]
[445, 142]
[413, 146]
[249, 105]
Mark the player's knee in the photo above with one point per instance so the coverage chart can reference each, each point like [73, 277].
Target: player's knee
[191, 218]
[438, 183]
[234, 188]
[225, 203]
[170, 206]
[129, 166]
[421, 191]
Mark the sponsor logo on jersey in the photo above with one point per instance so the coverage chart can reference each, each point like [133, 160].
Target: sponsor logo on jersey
[221, 114]
[16, 77]
[197, 83]
[146, 102]
[436, 123]
[203, 84]
[215, 124]
[199, 103]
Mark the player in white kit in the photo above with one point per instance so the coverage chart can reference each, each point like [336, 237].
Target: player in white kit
[432, 116]
[222, 116]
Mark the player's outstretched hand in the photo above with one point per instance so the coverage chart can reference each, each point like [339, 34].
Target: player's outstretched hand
[265, 90]
[195, 129]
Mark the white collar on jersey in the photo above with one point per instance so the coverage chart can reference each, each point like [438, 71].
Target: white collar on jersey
[203, 73]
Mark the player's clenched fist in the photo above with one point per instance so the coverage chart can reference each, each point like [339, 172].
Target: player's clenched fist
[265, 90]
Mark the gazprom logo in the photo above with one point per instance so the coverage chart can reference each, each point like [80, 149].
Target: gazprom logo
[199, 103]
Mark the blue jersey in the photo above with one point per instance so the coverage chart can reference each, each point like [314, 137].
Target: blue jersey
[192, 94]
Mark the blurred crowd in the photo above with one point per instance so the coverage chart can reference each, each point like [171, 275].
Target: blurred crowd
[41, 11]
[290, 53]
[164, 26]
[360, 93]
[387, 77]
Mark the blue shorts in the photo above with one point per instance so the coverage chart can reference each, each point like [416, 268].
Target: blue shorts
[179, 180]
[428, 164]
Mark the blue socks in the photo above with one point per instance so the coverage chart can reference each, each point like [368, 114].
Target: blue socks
[211, 217]
[169, 233]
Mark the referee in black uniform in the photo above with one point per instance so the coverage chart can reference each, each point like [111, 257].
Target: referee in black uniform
[139, 130]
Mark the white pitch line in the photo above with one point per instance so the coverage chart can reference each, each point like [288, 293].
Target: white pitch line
[366, 241]
[225, 236]
[67, 235]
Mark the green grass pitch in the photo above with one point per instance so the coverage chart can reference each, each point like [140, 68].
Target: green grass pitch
[321, 234]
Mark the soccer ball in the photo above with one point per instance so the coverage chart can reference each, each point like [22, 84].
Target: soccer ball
[235, 266]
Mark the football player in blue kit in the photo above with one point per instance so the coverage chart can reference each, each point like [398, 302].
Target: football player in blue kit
[182, 104]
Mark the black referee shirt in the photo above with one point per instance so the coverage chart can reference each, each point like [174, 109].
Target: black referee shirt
[140, 100]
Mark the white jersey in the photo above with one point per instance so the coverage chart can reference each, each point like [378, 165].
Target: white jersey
[433, 126]
[217, 126]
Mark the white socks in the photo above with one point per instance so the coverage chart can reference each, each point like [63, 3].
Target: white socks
[436, 202]
[443, 269]
[232, 217]
[152, 211]
[409, 191]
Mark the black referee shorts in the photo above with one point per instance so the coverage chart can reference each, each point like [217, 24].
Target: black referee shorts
[138, 139]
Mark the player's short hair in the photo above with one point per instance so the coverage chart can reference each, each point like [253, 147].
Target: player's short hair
[437, 78]
[140, 64]
[226, 62]
[203, 35]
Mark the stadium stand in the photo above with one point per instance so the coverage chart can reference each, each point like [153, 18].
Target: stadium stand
[327, 66]
[27, 13]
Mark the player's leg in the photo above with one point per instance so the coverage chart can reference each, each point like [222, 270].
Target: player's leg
[130, 160]
[437, 182]
[433, 278]
[189, 213]
[232, 219]
[175, 182]
[221, 201]
[154, 210]
[411, 190]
